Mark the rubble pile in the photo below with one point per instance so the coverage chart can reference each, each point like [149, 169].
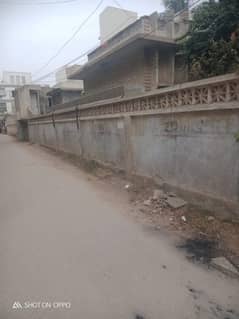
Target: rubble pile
[164, 209]
[163, 204]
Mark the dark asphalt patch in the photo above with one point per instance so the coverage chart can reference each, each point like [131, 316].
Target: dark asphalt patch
[199, 249]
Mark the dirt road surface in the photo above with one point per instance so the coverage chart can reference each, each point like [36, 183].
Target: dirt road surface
[68, 250]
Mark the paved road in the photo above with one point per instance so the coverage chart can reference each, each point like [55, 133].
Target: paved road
[64, 239]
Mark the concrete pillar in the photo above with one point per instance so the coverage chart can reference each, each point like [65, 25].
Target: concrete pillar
[129, 166]
[22, 131]
[173, 70]
[55, 131]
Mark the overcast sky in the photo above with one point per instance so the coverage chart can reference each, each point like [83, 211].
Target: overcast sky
[31, 34]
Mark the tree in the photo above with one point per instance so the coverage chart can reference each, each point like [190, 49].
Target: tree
[176, 5]
[212, 44]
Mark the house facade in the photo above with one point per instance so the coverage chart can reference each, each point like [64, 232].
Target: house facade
[10, 81]
[7, 105]
[30, 100]
[140, 58]
[65, 90]
[59, 96]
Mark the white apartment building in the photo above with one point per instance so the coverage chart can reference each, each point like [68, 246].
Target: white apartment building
[16, 78]
[10, 81]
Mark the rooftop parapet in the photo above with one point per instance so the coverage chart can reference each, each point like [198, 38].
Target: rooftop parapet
[165, 26]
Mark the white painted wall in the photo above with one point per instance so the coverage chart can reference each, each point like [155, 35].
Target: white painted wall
[11, 80]
[62, 81]
[7, 98]
[16, 78]
[113, 20]
[61, 75]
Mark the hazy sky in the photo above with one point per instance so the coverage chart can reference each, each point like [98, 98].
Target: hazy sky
[31, 34]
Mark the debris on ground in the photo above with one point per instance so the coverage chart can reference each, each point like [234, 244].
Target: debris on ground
[160, 200]
[211, 236]
[210, 218]
[158, 193]
[189, 222]
[224, 265]
[103, 173]
[147, 202]
[184, 219]
[175, 202]
[172, 195]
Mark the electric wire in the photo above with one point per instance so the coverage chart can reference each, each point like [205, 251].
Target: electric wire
[70, 39]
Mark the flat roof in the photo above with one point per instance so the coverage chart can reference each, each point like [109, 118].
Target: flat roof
[137, 41]
[59, 90]
[4, 85]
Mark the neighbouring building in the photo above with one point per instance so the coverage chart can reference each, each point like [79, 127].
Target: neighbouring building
[113, 20]
[62, 80]
[11, 124]
[57, 96]
[140, 58]
[10, 81]
[16, 78]
[30, 100]
[3, 102]
[2, 123]
[65, 90]
[7, 98]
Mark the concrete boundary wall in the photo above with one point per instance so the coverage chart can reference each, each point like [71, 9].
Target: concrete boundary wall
[191, 148]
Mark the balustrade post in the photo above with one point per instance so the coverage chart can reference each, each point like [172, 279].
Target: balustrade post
[209, 95]
[180, 102]
[228, 93]
[237, 90]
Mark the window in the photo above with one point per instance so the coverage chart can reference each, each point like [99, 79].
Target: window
[34, 101]
[176, 28]
[50, 101]
[3, 107]
[23, 80]
[18, 80]
[161, 25]
[12, 79]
